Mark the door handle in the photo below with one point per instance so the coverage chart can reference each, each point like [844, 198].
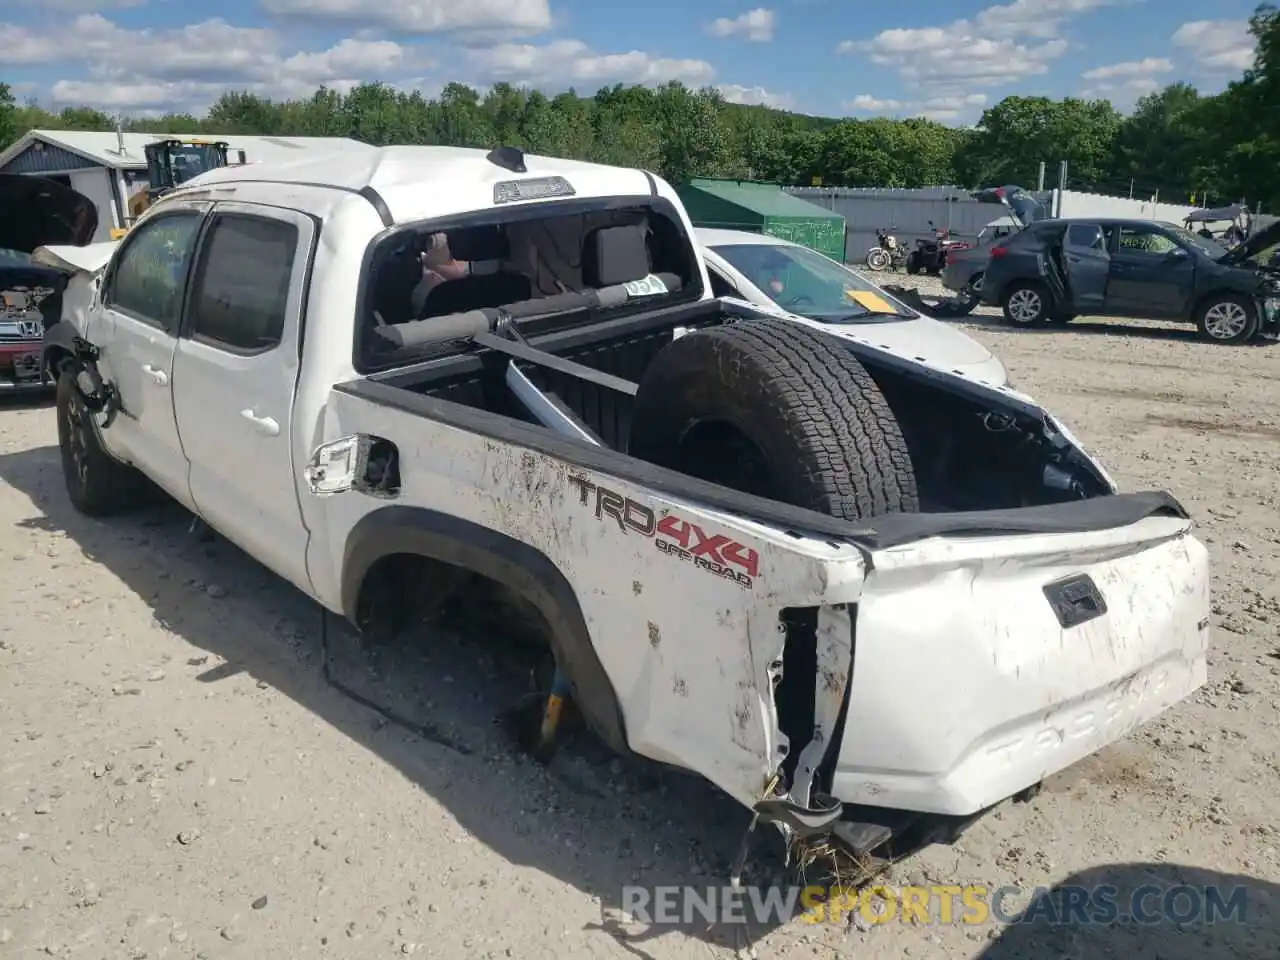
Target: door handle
[268, 426]
[155, 373]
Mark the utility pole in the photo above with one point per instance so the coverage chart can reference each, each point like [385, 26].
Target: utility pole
[1131, 188]
[1062, 175]
[1040, 179]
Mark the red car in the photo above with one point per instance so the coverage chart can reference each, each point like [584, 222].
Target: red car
[34, 212]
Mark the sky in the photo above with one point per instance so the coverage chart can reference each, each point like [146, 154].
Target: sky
[943, 60]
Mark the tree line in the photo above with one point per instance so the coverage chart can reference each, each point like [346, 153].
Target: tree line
[1177, 143]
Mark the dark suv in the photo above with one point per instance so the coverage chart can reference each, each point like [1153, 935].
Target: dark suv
[1055, 270]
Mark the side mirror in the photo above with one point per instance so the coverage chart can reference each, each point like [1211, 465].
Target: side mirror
[1177, 253]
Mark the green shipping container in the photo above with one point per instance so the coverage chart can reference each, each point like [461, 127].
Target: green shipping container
[763, 208]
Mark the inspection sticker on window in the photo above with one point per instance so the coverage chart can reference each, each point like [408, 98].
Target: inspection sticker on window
[650, 286]
[870, 301]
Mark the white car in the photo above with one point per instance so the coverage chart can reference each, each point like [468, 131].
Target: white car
[820, 292]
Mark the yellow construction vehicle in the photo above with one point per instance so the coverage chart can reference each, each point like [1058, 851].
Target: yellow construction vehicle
[169, 164]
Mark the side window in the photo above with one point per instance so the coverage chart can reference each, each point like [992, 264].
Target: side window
[720, 287]
[242, 283]
[1085, 236]
[149, 278]
[1142, 239]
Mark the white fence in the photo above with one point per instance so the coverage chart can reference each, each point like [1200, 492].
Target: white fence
[907, 211]
[1075, 203]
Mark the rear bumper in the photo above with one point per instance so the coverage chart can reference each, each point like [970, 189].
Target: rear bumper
[967, 690]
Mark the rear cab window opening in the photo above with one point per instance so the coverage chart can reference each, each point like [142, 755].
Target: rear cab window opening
[635, 250]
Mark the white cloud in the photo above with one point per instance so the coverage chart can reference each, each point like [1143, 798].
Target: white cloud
[1221, 46]
[1043, 19]
[189, 67]
[1000, 45]
[566, 63]
[755, 96]
[424, 16]
[942, 109]
[1123, 95]
[1130, 69]
[83, 6]
[755, 25]
[1124, 83]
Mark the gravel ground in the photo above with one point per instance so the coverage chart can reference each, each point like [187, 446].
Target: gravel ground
[177, 779]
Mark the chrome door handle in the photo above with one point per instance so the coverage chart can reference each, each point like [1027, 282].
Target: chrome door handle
[155, 373]
[267, 426]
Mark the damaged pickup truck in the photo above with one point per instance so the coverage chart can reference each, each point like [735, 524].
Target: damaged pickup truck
[852, 589]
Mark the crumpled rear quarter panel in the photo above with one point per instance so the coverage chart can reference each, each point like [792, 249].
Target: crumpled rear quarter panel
[688, 648]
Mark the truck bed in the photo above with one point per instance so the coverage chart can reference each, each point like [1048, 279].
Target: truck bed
[984, 457]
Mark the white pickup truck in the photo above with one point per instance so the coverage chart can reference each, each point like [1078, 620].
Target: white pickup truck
[854, 590]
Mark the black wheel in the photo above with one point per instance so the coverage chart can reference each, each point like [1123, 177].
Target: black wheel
[913, 264]
[1026, 304]
[98, 484]
[1227, 318]
[777, 410]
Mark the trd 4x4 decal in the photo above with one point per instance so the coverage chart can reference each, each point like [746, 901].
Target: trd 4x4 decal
[672, 536]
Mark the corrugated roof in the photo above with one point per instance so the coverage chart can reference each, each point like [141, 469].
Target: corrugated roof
[104, 148]
[763, 199]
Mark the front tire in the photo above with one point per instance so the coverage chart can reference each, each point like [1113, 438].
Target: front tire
[913, 264]
[877, 259]
[1026, 305]
[1227, 318]
[97, 483]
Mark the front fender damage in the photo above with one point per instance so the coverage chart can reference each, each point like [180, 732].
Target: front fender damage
[79, 357]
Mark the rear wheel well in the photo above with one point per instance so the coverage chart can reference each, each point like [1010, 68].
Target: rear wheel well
[401, 589]
[400, 561]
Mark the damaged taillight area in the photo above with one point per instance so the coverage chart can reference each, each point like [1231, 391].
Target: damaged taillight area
[809, 693]
[810, 686]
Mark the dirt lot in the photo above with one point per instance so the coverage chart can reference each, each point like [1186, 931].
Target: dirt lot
[177, 779]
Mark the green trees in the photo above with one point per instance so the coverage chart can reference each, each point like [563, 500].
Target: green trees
[1177, 142]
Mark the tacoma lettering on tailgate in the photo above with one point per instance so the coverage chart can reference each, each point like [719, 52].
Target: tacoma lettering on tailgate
[672, 535]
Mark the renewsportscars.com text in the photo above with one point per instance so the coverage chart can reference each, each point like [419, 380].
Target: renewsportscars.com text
[970, 904]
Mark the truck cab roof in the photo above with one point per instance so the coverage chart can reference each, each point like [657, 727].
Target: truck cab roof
[408, 184]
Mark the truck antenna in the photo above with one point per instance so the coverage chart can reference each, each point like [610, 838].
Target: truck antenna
[508, 158]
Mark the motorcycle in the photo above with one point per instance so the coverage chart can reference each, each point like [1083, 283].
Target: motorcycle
[930, 255]
[889, 254]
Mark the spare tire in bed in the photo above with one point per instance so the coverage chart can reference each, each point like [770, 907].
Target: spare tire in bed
[773, 408]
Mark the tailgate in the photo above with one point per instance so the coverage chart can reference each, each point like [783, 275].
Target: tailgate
[985, 663]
